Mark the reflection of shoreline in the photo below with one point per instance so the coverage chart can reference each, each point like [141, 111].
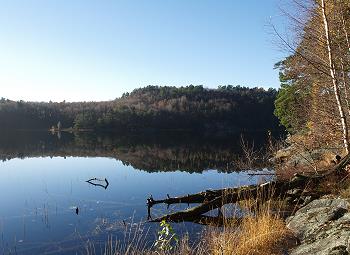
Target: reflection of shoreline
[166, 152]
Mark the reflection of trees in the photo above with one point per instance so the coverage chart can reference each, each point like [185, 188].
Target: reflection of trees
[188, 158]
[163, 152]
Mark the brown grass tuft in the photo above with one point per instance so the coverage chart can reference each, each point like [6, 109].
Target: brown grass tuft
[262, 234]
[261, 231]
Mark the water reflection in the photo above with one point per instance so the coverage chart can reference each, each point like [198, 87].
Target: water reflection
[151, 153]
[48, 206]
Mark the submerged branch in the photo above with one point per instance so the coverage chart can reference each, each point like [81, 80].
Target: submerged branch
[228, 196]
[294, 191]
[93, 180]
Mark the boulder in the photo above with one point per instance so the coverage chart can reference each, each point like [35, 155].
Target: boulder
[322, 226]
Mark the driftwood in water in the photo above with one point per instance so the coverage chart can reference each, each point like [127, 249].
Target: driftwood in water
[266, 190]
[200, 197]
[263, 174]
[240, 193]
[93, 181]
[213, 199]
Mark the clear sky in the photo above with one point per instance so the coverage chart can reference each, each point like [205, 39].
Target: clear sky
[82, 50]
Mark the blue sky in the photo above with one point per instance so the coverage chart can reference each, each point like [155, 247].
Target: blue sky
[96, 50]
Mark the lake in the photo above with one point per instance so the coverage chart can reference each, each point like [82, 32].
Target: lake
[43, 182]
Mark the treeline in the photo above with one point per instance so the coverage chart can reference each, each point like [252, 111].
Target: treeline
[153, 108]
[313, 101]
[43, 115]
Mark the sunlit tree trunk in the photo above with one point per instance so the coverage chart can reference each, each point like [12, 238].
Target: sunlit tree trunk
[332, 72]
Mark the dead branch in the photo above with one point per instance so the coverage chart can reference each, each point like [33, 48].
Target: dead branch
[93, 181]
[213, 199]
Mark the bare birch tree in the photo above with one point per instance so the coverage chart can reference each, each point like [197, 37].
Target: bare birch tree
[333, 75]
[321, 58]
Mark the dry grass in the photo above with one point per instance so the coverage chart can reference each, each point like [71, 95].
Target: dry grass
[254, 158]
[138, 245]
[263, 234]
[262, 231]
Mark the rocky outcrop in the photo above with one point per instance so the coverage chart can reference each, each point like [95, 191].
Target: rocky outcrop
[294, 156]
[323, 227]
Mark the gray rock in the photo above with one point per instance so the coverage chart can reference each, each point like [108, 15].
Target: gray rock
[295, 156]
[323, 227]
[295, 191]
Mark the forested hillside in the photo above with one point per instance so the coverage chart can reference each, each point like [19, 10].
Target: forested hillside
[152, 107]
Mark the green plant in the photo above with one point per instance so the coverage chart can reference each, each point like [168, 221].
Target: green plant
[167, 238]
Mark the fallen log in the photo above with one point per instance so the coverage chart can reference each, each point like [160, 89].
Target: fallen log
[188, 199]
[263, 191]
[209, 195]
[200, 197]
[217, 198]
[263, 174]
[337, 169]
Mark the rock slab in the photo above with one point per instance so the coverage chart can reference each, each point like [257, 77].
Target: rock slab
[323, 227]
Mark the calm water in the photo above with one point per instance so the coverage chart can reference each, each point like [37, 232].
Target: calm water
[43, 181]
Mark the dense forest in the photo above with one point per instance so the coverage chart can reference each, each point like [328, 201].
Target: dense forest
[152, 108]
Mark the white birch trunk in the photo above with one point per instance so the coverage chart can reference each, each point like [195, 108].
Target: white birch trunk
[334, 79]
